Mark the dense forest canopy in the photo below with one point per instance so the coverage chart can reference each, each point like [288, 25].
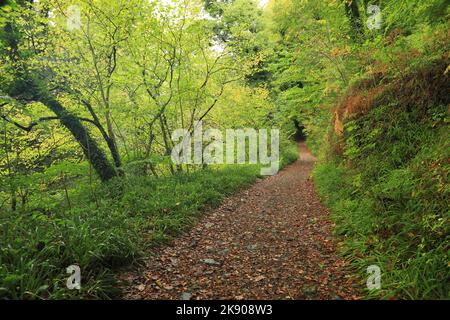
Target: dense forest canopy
[91, 91]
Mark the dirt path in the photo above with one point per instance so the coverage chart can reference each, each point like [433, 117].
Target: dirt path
[272, 241]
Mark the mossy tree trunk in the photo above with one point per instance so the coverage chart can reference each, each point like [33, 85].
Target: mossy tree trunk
[91, 149]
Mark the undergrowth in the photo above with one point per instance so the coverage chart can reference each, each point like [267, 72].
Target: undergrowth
[109, 226]
[386, 180]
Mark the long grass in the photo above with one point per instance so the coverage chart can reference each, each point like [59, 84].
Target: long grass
[389, 190]
[106, 226]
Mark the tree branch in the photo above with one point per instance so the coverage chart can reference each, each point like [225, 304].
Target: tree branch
[31, 125]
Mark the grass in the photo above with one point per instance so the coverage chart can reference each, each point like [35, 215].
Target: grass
[107, 226]
[406, 236]
[388, 191]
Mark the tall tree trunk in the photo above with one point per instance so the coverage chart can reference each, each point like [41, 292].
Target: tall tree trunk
[92, 151]
[354, 16]
[166, 142]
[112, 146]
[13, 200]
[112, 141]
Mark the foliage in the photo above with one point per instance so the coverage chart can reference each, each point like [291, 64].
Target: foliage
[94, 89]
[91, 90]
[388, 188]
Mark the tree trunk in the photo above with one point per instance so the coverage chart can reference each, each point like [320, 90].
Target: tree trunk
[92, 151]
[13, 200]
[166, 142]
[354, 16]
[112, 141]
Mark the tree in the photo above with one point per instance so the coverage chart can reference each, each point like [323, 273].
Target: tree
[355, 19]
[93, 48]
[179, 76]
[21, 85]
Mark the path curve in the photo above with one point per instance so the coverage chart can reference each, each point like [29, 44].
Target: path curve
[271, 241]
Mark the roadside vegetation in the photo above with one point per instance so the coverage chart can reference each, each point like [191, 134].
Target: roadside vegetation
[91, 91]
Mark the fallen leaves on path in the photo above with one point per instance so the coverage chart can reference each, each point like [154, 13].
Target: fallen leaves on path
[272, 241]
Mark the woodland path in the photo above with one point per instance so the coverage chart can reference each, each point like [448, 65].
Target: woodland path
[271, 241]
